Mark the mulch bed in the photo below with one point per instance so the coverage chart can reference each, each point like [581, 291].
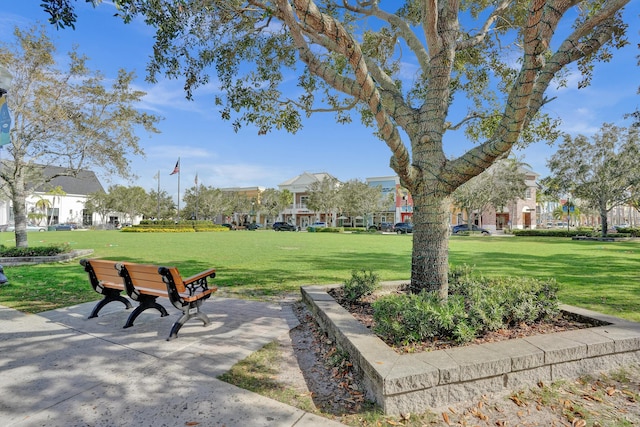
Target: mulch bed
[362, 310]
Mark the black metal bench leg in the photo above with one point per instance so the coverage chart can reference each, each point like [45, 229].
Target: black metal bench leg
[186, 315]
[106, 300]
[145, 304]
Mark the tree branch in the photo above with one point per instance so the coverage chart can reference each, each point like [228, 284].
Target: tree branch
[484, 31]
[430, 26]
[309, 14]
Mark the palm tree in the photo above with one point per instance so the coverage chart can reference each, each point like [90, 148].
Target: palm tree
[57, 192]
[43, 205]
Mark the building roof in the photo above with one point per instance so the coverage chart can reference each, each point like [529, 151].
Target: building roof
[305, 179]
[86, 182]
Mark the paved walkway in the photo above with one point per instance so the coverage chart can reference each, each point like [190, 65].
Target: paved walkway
[61, 369]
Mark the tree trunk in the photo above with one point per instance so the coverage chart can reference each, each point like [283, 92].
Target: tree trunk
[430, 258]
[604, 221]
[18, 195]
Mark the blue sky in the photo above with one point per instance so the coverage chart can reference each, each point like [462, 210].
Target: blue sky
[208, 146]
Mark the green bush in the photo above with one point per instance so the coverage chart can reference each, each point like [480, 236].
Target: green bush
[556, 232]
[34, 251]
[475, 305]
[629, 231]
[580, 231]
[360, 284]
[403, 319]
[168, 226]
[325, 229]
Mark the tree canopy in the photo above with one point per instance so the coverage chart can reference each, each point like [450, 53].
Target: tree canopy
[501, 184]
[400, 65]
[600, 171]
[65, 117]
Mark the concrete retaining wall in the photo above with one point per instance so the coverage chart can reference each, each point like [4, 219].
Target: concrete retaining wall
[414, 383]
[16, 261]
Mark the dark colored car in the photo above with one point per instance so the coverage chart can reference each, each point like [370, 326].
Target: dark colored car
[403, 228]
[385, 226]
[253, 226]
[229, 226]
[283, 226]
[66, 227]
[465, 227]
[382, 226]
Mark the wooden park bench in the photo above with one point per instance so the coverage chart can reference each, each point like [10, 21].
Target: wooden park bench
[145, 283]
[106, 281]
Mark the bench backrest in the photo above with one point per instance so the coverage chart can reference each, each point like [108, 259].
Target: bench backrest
[103, 273]
[144, 278]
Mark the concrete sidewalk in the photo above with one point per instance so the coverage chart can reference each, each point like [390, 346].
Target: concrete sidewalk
[61, 369]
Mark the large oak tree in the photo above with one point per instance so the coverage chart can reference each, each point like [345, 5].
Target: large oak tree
[497, 58]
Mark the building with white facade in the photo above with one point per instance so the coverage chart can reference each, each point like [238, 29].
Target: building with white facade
[299, 213]
[65, 196]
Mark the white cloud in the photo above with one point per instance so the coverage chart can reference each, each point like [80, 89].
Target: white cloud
[242, 175]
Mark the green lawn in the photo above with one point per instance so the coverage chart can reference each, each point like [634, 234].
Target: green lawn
[602, 276]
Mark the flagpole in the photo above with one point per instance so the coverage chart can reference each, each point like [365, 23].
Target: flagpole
[197, 196]
[176, 170]
[158, 176]
[179, 167]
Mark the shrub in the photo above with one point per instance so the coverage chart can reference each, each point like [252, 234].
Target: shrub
[475, 305]
[35, 251]
[168, 226]
[402, 319]
[360, 284]
[325, 229]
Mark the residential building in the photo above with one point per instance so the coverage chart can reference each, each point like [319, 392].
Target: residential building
[519, 214]
[65, 196]
[397, 199]
[299, 213]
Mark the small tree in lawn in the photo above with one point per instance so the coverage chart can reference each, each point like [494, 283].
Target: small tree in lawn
[63, 117]
[600, 171]
[495, 60]
[100, 203]
[496, 187]
[323, 196]
[130, 201]
[273, 201]
[159, 205]
[359, 198]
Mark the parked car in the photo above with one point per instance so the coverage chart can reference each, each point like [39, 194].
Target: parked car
[29, 228]
[253, 226]
[283, 226]
[385, 226]
[229, 226]
[66, 227]
[465, 227]
[403, 228]
[318, 224]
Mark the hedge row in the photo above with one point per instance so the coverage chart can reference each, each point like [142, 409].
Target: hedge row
[572, 233]
[172, 227]
[34, 251]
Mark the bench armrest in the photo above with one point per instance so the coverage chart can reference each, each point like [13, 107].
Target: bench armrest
[207, 273]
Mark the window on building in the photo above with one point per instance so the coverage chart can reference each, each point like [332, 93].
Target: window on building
[303, 201]
[527, 193]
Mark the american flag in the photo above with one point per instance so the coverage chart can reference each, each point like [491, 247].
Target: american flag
[176, 169]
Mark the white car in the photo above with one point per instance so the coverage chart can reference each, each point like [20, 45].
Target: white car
[29, 228]
[318, 224]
